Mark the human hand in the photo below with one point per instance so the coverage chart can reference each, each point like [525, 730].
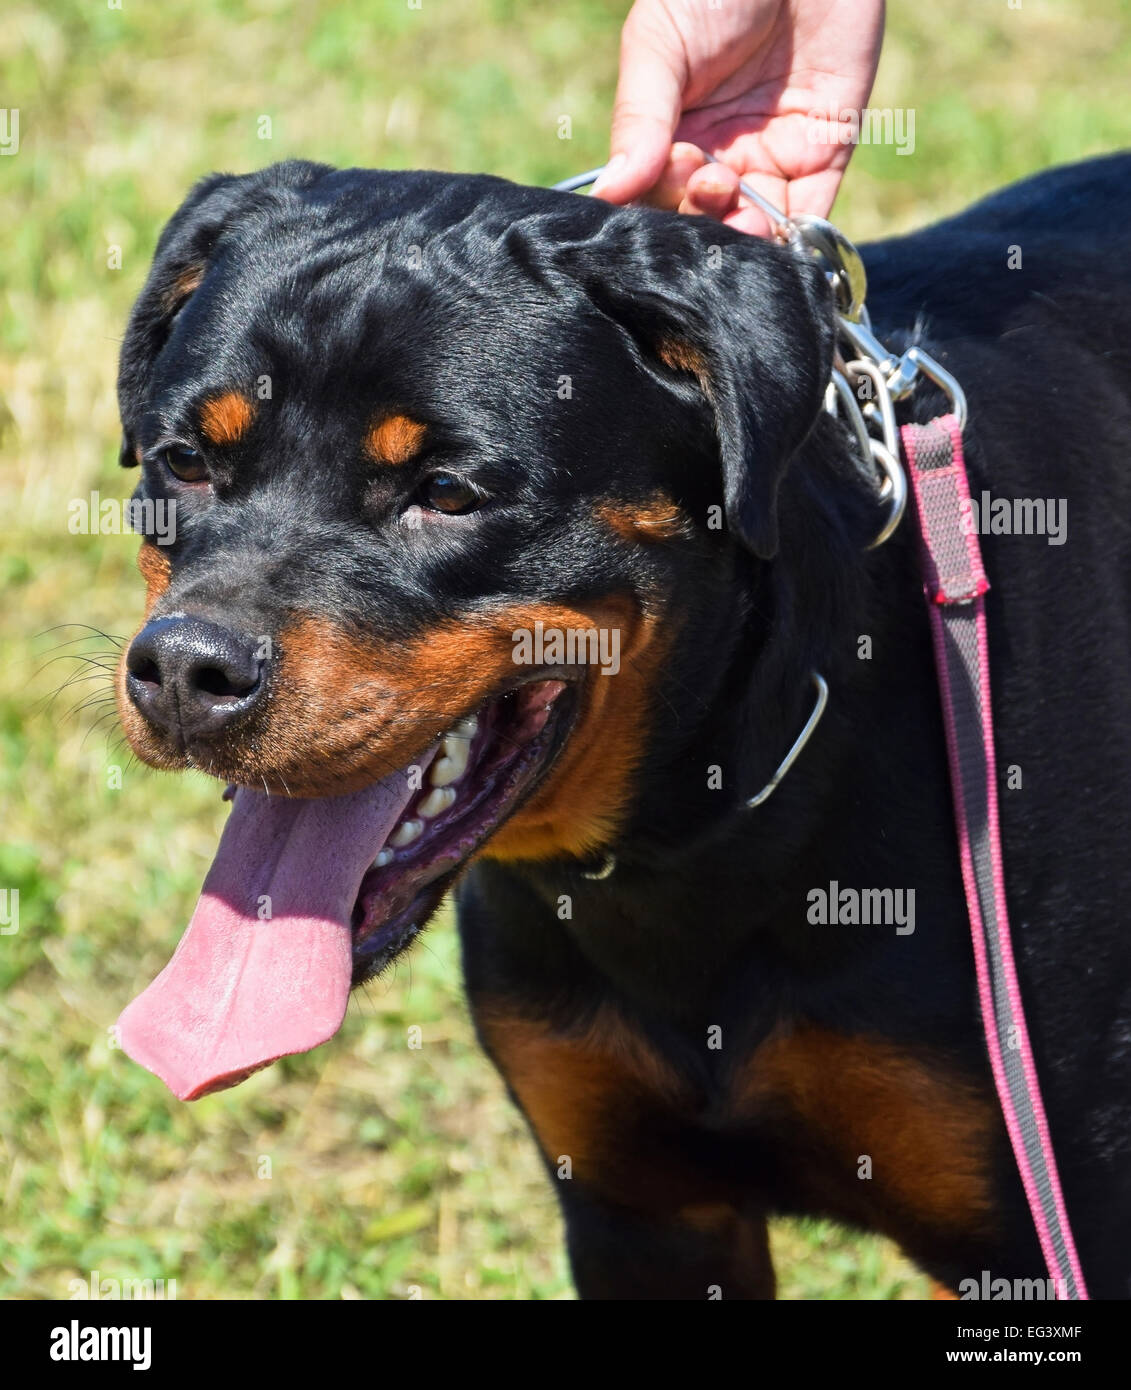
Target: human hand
[740, 82]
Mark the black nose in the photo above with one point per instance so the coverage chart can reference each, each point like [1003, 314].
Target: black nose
[190, 677]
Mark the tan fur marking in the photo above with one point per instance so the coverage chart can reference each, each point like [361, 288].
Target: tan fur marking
[155, 570]
[225, 419]
[186, 282]
[929, 1132]
[575, 1087]
[658, 519]
[681, 356]
[395, 440]
[579, 806]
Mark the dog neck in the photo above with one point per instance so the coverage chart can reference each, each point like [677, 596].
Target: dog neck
[694, 863]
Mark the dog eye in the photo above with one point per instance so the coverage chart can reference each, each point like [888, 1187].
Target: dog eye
[185, 463]
[443, 492]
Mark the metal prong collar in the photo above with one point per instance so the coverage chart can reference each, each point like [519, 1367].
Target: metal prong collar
[822, 687]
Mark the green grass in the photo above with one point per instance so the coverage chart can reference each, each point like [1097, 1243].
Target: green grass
[389, 1168]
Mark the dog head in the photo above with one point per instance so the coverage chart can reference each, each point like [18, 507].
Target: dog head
[447, 459]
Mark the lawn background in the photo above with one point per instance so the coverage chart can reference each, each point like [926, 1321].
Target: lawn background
[389, 1168]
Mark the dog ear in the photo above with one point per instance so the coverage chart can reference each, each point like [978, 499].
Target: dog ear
[752, 321]
[185, 253]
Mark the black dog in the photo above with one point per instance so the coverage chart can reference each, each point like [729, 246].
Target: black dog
[510, 527]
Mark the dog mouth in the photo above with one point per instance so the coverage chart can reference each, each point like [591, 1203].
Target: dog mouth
[307, 898]
[483, 768]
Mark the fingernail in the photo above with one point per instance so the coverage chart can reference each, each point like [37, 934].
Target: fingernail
[610, 171]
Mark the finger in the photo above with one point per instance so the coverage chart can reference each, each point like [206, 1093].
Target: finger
[669, 189]
[816, 193]
[712, 191]
[645, 112]
[751, 220]
[747, 216]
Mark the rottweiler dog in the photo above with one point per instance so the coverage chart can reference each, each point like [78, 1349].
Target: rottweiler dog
[510, 529]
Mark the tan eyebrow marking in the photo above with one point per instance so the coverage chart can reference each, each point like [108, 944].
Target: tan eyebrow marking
[225, 419]
[396, 439]
[185, 282]
[681, 356]
[657, 519]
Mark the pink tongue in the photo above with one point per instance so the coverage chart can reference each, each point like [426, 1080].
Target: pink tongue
[264, 968]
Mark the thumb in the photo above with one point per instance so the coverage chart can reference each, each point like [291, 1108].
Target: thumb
[645, 113]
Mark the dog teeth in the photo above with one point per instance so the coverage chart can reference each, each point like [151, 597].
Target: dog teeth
[444, 771]
[449, 767]
[452, 762]
[406, 833]
[436, 802]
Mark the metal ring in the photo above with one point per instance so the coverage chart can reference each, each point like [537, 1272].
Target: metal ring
[850, 278]
[882, 399]
[895, 476]
[571, 185]
[847, 398]
[865, 343]
[942, 378]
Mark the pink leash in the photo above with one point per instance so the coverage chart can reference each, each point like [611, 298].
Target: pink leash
[955, 584]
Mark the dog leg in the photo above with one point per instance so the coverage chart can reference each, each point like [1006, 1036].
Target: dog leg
[711, 1251]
